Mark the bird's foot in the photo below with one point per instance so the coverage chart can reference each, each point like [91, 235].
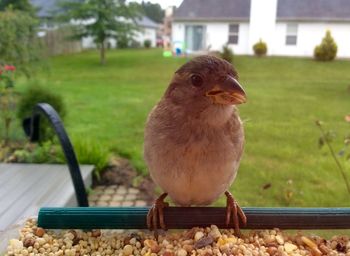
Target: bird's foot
[234, 210]
[156, 214]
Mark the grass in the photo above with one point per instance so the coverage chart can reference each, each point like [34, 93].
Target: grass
[109, 105]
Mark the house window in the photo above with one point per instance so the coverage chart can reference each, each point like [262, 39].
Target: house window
[233, 33]
[292, 34]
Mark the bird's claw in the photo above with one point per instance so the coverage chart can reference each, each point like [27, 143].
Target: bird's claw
[156, 214]
[234, 210]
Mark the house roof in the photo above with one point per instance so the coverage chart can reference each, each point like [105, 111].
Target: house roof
[289, 10]
[313, 10]
[47, 7]
[146, 22]
[213, 10]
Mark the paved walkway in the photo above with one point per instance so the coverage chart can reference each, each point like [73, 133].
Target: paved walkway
[116, 195]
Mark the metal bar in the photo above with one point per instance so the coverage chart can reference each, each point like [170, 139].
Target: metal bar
[33, 131]
[188, 217]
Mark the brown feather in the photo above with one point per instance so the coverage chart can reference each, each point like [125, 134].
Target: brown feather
[193, 147]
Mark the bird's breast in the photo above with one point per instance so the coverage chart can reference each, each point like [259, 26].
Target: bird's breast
[194, 164]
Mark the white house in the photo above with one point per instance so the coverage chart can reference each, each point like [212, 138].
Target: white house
[289, 27]
[147, 31]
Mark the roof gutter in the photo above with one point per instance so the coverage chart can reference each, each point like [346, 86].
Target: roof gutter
[312, 19]
[211, 19]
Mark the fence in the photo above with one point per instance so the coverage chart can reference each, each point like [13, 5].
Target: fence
[56, 41]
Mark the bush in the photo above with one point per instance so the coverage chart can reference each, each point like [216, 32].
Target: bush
[147, 43]
[19, 44]
[37, 94]
[327, 50]
[260, 48]
[91, 152]
[47, 152]
[135, 44]
[227, 53]
[122, 42]
[7, 99]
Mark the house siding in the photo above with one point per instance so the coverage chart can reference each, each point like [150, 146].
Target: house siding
[140, 37]
[268, 20]
[309, 35]
[243, 39]
[262, 22]
[147, 34]
[178, 32]
[216, 35]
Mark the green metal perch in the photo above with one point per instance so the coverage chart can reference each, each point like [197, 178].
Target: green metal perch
[188, 217]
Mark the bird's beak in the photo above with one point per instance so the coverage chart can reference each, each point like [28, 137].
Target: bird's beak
[229, 92]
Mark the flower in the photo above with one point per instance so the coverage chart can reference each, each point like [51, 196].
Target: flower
[10, 68]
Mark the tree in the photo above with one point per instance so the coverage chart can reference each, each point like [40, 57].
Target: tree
[20, 51]
[18, 5]
[19, 44]
[100, 19]
[153, 11]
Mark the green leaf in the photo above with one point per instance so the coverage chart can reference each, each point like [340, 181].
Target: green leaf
[9, 83]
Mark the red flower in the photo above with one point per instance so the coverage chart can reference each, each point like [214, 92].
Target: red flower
[10, 68]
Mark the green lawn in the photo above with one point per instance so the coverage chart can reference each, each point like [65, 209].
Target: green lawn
[109, 105]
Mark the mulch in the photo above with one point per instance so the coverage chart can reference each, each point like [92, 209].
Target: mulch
[121, 172]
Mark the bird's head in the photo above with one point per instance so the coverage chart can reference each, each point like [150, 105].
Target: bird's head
[206, 80]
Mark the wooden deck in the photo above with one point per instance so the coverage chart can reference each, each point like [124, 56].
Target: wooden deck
[24, 188]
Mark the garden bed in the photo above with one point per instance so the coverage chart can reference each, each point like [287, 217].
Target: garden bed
[196, 241]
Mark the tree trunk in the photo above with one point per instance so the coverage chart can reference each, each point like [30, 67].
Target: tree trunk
[102, 53]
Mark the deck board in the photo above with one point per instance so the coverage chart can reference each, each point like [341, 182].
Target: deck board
[27, 187]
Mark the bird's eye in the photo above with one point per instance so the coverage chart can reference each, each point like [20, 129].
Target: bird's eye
[196, 80]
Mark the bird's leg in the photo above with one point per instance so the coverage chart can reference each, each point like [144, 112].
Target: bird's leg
[234, 210]
[156, 213]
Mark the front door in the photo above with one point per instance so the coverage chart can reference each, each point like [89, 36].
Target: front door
[195, 37]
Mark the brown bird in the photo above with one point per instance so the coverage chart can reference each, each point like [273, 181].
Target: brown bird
[194, 138]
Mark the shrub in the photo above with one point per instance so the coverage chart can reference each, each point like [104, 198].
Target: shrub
[327, 50]
[147, 43]
[19, 44]
[7, 98]
[227, 53]
[260, 48]
[37, 94]
[122, 42]
[135, 44]
[91, 152]
[47, 152]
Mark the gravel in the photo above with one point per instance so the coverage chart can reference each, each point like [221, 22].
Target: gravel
[197, 241]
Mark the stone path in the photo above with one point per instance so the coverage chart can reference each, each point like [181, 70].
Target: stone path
[116, 195]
